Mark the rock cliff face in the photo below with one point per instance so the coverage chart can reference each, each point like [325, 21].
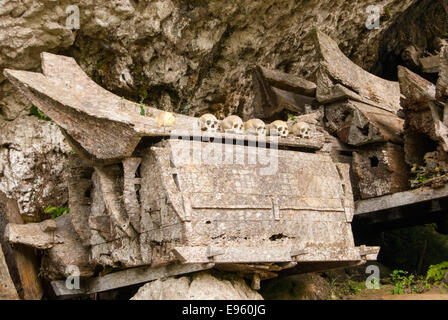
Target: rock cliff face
[200, 286]
[186, 56]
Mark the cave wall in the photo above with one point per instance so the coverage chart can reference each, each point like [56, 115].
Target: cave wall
[186, 56]
[418, 32]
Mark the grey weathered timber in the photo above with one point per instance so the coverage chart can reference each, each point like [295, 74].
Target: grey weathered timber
[288, 82]
[400, 199]
[61, 242]
[416, 90]
[31, 234]
[276, 91]
[79, 186]
[279, 255]
[21, 260]
[7, 288]
[423, 114]
[357, 123]
[430, 64]
[442, 82]
[127, 277]
[196, 204]
[335, 68]
[380, 169]
[230, 255]
[340, 93]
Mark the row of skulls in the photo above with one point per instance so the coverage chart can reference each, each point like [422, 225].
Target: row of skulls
[234, 124]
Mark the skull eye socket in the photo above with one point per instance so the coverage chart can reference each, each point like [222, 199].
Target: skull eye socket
[208, 122]
[236, 126]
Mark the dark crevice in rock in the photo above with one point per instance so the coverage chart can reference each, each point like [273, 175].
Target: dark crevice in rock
[417, 30]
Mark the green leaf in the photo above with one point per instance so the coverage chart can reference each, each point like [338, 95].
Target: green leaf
[39, 114]
[55, 211]
[437, 272]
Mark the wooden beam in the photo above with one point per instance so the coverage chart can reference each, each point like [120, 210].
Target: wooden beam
[22, 261]
[288, 82]
[7, 288]
[399, 199]
[127, 277]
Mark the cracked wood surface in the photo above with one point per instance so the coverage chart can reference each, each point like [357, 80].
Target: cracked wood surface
[336, 68]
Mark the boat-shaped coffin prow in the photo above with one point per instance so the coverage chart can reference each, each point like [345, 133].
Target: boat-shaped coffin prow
[101, 133]
[336, 68]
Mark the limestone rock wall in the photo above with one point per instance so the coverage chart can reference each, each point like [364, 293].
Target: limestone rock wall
[172, 54]
[32, 164]
[198, 286]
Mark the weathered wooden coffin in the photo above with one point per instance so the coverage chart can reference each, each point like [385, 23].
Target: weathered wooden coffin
[380, 170]
[336, 69]
[227, 213]
[151, 197]
[424, 115]
[275, 91]
[362, 110]
[358, 124]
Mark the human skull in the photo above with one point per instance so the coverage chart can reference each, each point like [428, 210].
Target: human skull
[166, 119]
[280, 128]
[209, 123]
[255, 126]
[302, 130]
[232, 124]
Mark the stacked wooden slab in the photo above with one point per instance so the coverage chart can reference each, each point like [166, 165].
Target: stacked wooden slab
[362, 111]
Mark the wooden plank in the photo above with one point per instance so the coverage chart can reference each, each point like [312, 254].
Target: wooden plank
[22, 261]
[7, 288]
[338, 254]
[288, 82]
[442, 82]
[233, 255]
[400, 199]
[128, 277]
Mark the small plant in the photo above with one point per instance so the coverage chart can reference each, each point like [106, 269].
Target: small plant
[39, 114]
[351, 288]
[142, 109]
[437, 272]
[55, 211]
[402, 282]
[333, 286]
[291, 117]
